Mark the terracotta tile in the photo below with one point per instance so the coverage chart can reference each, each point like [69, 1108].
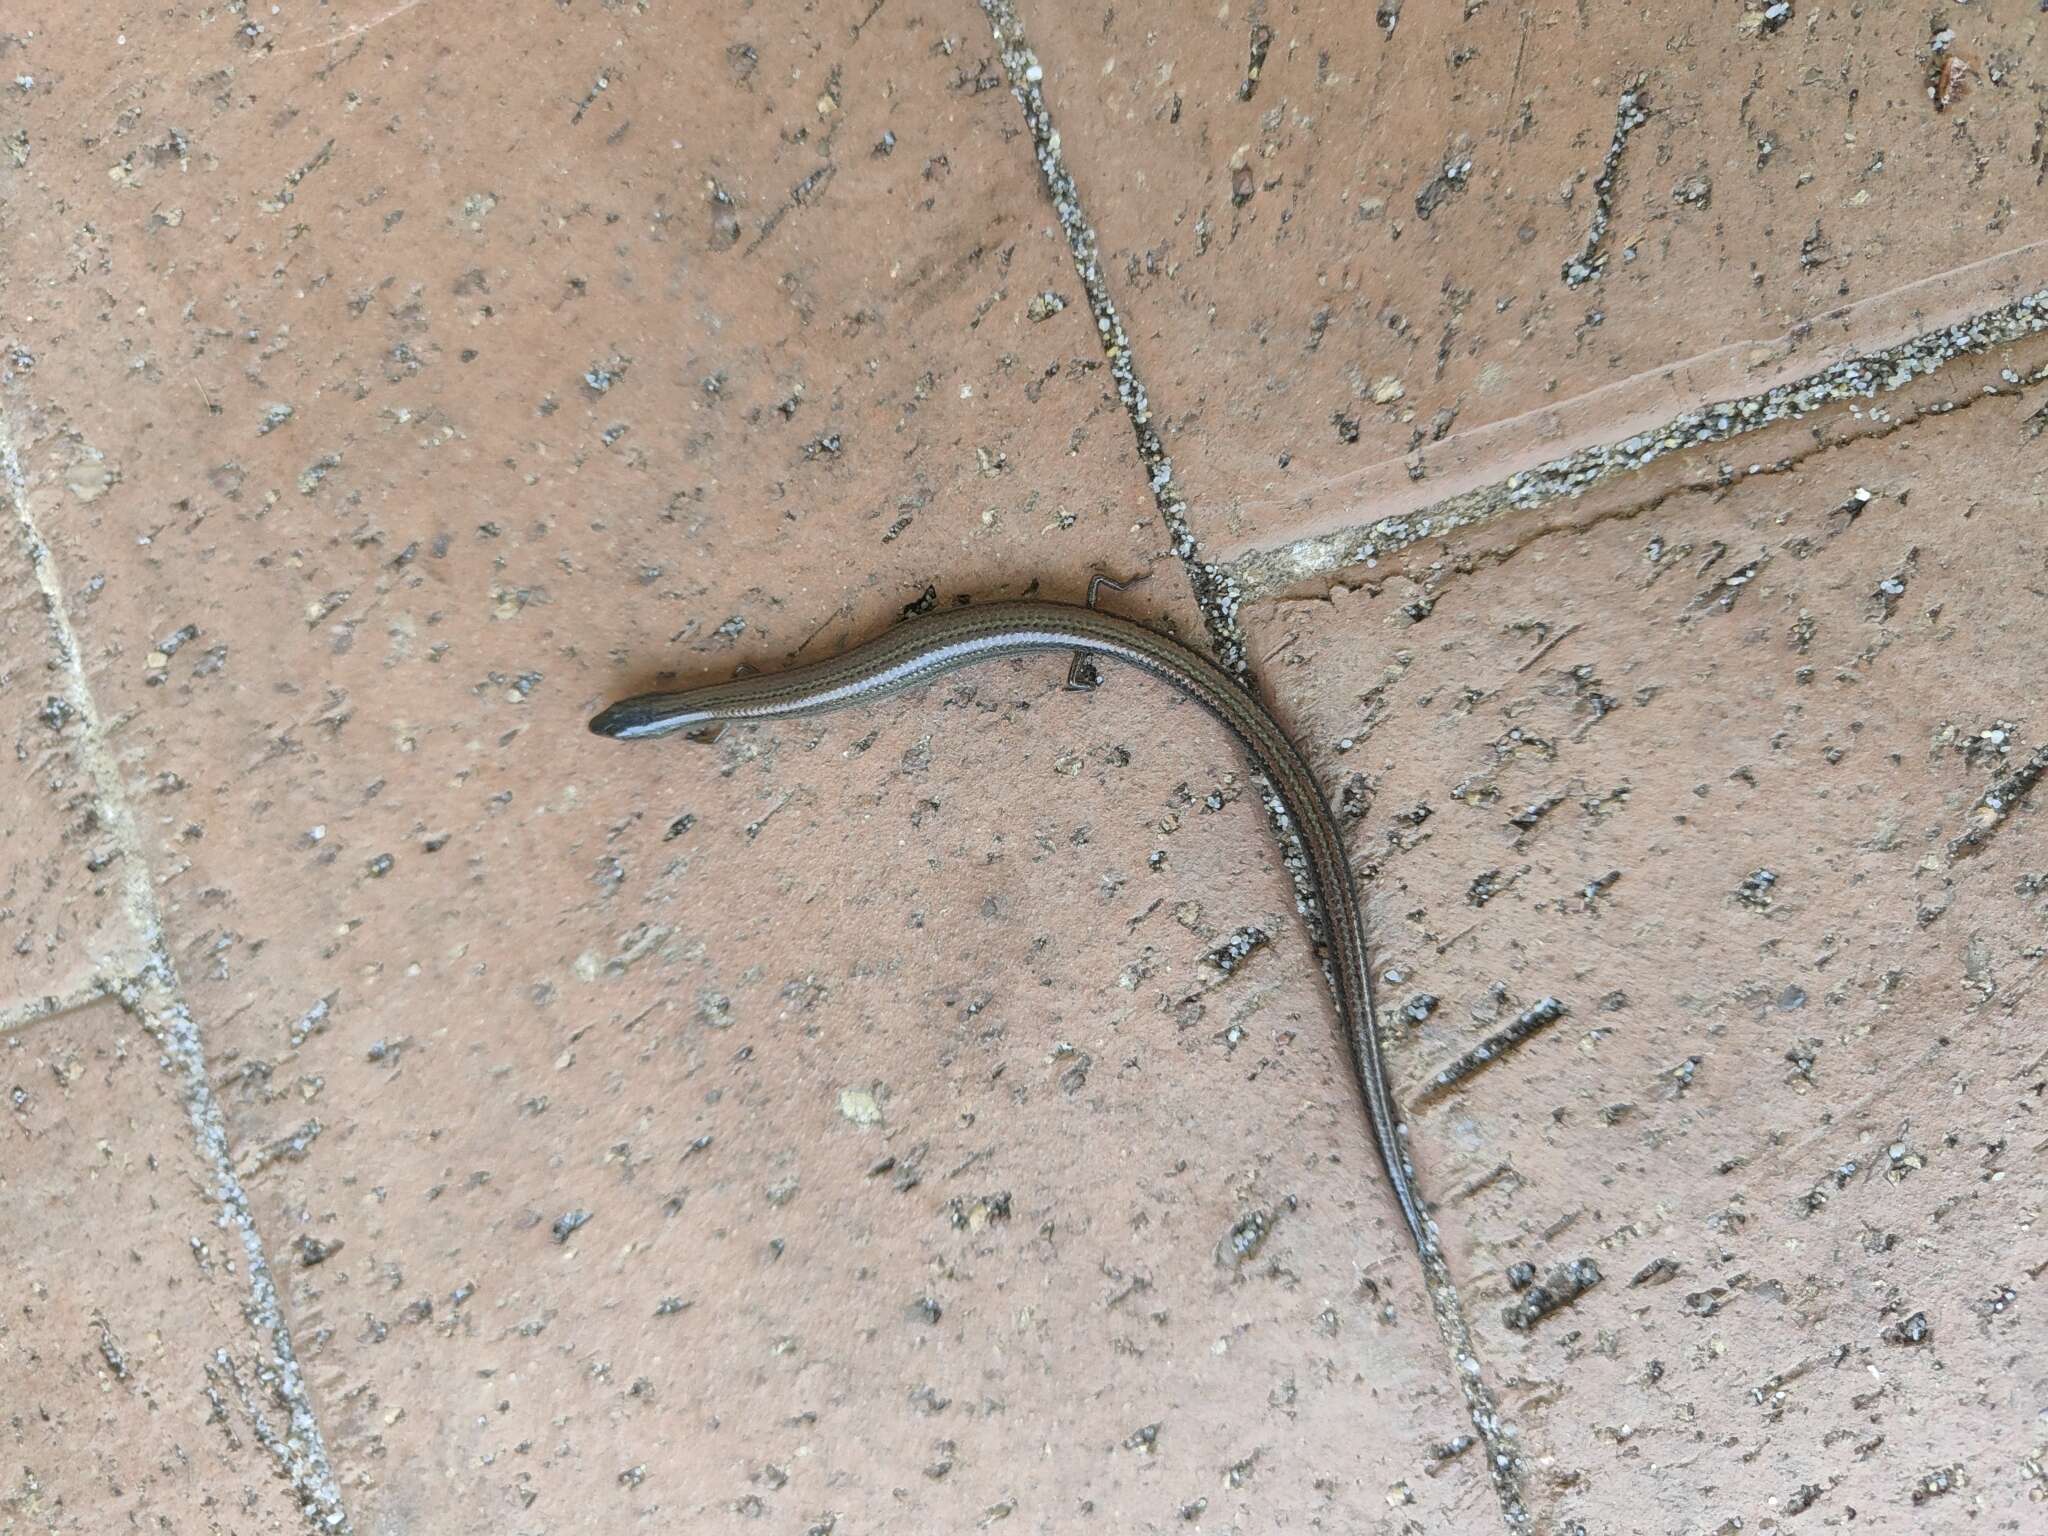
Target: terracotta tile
[1352, 266]
[1696, 772]
[843, 1127]
[515, 973]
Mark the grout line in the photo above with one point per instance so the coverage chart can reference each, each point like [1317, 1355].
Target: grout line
[1858, 376]
[1215, 586]
[154, 996]
[1878, 426]
[1218, 593]
[1896, 316]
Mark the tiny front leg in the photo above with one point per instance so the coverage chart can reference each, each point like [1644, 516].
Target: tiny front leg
[1081, 674]
[1097, 583]
[705, 735]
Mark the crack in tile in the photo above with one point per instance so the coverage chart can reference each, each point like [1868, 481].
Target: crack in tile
[1590, 261]
[51, 1005]
[356, 29]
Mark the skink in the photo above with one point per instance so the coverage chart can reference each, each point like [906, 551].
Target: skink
[920, 649]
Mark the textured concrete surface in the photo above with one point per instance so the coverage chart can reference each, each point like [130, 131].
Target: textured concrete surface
[426, 1116]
